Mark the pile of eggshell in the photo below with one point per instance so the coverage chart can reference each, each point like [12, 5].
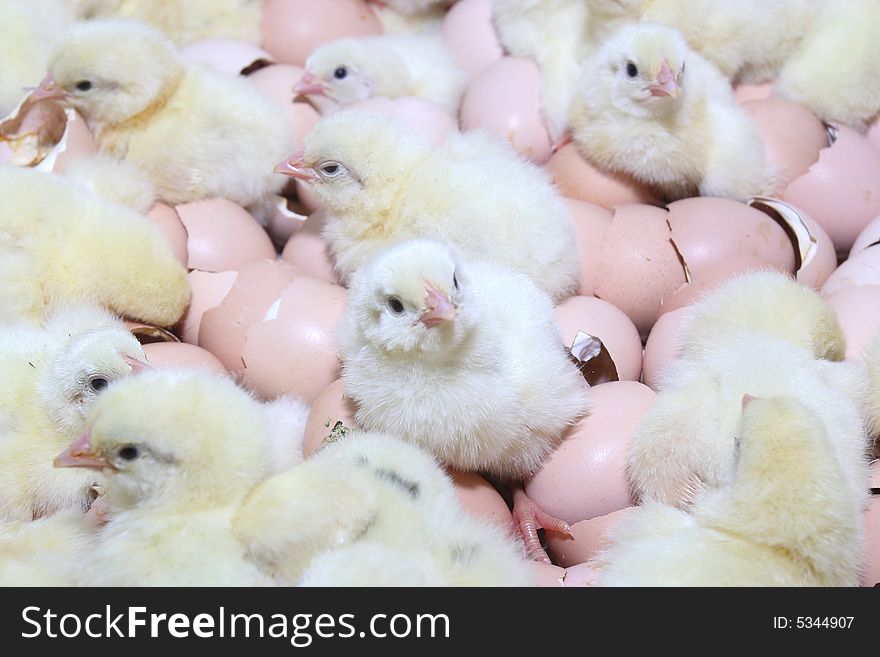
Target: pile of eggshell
[269, 318]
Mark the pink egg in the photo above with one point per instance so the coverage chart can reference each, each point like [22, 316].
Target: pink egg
[331, 414]
[871, 550]
[222, 235]
[309, 251]
[292, 349]
[506, 100]
[590, 538]
[480, 500]
[600, 319]
[208, 291]
[429, 119]
[168, 221]
[292, 29]
[584, 477]
[853, 306]
[578, 179]
[747, 92]
[581, 575]
[276, 82]
[869, 236]
[590, 224]
[662, 346]
[226, 55]
[863, 268]
[546, 575]
[180, 355]
[842, 190]
[874, 132]
[638, 266]
[468, 32]
[284, 219]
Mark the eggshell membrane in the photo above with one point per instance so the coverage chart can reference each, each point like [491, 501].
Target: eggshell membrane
[257, 286]
[208, 291]
[608, 323]
[545, 575]
[180, 355]
[222, 235]
[581, 575]
[276, 83]
[842, 190]
[505, 99]
[793, 136]
[292, 29]
[328, 408]
[310, 252]
[856, 309]
[869, 236]
[871, 549]
[470, 36]
[590, 538]
[480, 500]
[638, 265]
[283, 221]
[662, 346]
[428, 119]
[293, 349]
[584, 478]
[168, 221]
[861, 269]
[590, 225]
[224, 55]
[747, 92]
[578, 179]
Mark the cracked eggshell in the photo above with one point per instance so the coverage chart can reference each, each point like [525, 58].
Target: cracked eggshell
[584, 478]
[578, 179]
[662, 346]
[292, 29]
[480, 499]
[842, 190]
[590, 538]
[505, 99]
[309, 251]
[582, 575]
[871, 548]
[638, 265]
[608, 323]
[428, 119]
[330, 407]
[284, 219]
[859, 324]
[590, 225]
[863, 268]
[545, 575]
[276, 83]
[292, 349]
[258, 284]
[208, 291]
[869, 236]
[180, 355]
[470, 36]
[168, 221]
[225, 55]
[222, 235]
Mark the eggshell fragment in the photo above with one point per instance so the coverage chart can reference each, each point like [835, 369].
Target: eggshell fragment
[863, 268]
[292, 29]
[480, 499]
[180, 355]
[428, 119]
[869, 236]
[225, 55]
[309, 251]
[581, 575]
[590, 225]
[168, 221]
[148, 334]
[331, 414]
[874, 132]
[578, 179]
[284, 220]
[871, 549]
[590, 538]
[546, 575]
[276, 83]
[208, 291]
[662, 346]
[852, 306]
[584, 477]
[222, 235]
[468, 32]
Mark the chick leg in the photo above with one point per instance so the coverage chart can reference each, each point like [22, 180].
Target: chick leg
[529, 518]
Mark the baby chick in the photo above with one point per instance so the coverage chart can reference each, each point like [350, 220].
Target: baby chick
[346, 71]
[382, 183]
[114, 180]
[195, 133]
[464, 360]
[788, 517]
[650, 107]
[872, 363]
[59, 244]
[52, 375]
[177, 452]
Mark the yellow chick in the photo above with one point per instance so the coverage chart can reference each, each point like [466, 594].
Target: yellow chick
[651, 108]
[872, 362]
[113, 180]
[195, 133]
[51, 376]
[787, 518]
[60, 244]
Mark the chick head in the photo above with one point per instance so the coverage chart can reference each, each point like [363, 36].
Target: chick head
[641, 68]
[357, 162]
[412, 298]
[110, 71]
[338, 71]
[185, 437]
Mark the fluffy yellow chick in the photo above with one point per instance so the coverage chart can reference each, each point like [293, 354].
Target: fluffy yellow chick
[787, 518]
[177, 452]
[872, 362]
[650, 107]
[346, 515]
[382, 183]
[60, 243]
[346, 71]
[112, 179]
[51, 376]
[195, 133]
[410, 16]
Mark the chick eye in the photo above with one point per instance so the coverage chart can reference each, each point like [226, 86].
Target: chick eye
[340, 73]
[98, 383]
[455, 281]
[330, 169]
[128, 452]
[83, 85]
[631, 69]
[395, 305]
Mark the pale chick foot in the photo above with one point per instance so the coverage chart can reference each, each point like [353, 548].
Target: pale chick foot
[529, 518]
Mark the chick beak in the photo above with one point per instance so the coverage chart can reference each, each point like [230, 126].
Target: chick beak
[79, 455]
[746, 400]
[666, 83]
[309, 85]
[137, 366]
[440, 308]
[295, 167]
[48, 89]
